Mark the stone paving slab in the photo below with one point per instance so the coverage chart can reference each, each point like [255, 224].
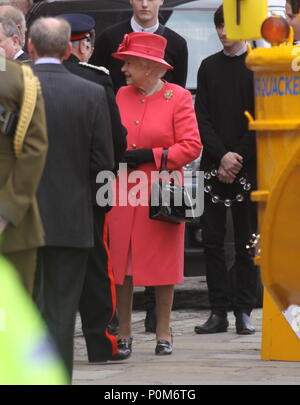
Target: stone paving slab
[218, 359]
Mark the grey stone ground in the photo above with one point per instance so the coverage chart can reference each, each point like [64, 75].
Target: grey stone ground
[218, 359]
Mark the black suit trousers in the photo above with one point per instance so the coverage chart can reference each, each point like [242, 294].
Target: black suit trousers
[98, 299]
[217, 275]
[58, 286]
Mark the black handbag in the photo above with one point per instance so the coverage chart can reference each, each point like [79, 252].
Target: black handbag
[170, 202]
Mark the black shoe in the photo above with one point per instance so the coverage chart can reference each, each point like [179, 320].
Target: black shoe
[119, 356]
[243, 324]
[123, 353]
[214, 324]
[163, 348]
[150, 321]
[124, 348]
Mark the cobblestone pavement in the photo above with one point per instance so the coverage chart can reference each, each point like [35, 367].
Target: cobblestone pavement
[218, 359]
[182, 322]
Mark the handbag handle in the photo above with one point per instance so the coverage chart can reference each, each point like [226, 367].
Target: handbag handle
[164, 159]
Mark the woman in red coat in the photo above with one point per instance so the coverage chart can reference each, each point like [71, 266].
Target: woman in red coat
[157, 115]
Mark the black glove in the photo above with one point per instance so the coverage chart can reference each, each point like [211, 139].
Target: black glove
[134, 158]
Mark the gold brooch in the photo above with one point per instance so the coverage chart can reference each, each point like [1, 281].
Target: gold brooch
[168, 94]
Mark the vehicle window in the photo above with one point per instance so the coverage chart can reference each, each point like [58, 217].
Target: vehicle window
[197, 27]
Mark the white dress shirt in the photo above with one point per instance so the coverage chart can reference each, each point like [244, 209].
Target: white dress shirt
[138, 28]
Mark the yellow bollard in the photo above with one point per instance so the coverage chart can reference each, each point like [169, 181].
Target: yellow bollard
[277, 122]
[243, 18]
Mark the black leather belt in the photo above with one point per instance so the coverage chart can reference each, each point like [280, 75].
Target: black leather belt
[8, 122]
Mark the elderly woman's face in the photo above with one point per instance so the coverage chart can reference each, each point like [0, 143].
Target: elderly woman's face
[135, 71]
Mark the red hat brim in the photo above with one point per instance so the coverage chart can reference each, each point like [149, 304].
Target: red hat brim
[121, 56]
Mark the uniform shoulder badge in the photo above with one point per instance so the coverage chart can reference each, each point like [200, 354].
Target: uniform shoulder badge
[101, 68]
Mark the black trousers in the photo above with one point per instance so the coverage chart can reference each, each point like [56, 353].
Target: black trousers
[58, 285]
[214, 229]
[98, 299]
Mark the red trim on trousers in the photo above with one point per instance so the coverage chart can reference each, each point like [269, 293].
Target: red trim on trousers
[112, 286]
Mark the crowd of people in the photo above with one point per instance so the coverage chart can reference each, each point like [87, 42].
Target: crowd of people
[65, 119]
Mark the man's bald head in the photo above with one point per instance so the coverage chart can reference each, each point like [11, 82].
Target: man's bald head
[50, 37]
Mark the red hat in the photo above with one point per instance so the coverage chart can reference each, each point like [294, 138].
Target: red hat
[143, 45]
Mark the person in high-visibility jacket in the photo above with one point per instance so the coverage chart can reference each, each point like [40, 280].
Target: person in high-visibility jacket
[26, 353]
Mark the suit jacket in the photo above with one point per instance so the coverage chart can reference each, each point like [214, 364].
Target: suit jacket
[176, 53]
[119, 132]
[19, 178]
[24, 57]
[80, 145]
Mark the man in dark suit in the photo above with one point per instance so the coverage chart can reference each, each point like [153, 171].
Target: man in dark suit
[144, 19]
[21, 228]
[80, 145]
[16, 37]
[97, 302]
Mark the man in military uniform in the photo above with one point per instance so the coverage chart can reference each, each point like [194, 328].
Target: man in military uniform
[97, 302]
[22, 159]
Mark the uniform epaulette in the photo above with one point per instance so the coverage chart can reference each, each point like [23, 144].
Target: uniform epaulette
[102, 68]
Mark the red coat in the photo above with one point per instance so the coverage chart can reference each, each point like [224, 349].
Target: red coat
[164, 119]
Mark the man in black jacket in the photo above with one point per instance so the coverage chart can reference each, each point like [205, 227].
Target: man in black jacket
[144, 19]
[224, 92]
[97, 301]
[80, 146]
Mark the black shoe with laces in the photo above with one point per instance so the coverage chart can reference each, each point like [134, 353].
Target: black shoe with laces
[123, 352]
[215, 324]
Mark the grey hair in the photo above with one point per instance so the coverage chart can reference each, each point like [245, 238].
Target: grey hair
[18, 18]
[9, 28]
[75, 44]
[50, 40]
[157, 68]
[14, 14]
